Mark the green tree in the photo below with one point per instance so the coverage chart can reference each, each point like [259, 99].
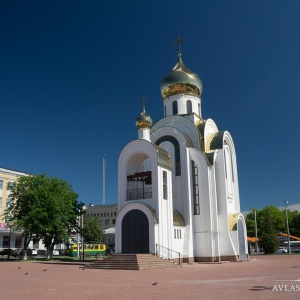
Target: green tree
[250, 223]
[269, 222]
[43, 206]
[92, 230]
[294, 223]
[275, 215]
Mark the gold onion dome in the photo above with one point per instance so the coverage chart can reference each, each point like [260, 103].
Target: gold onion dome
[143, 120]
[181, 81]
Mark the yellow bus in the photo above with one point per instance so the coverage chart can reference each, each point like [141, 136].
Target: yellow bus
[90, 249]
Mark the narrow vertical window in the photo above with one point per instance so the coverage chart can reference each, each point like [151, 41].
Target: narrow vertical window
[175, 234]
[228, 170]
[165, 185]
[225, 163]
[199, 112]
[189, 107]
[175, 108]
[195, 188]
[165, 111]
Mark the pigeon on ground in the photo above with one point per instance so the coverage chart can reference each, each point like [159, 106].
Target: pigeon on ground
[45, 270]
[155, 283]
[26, 273]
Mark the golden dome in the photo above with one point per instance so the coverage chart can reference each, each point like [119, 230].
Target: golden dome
[181, 81]
[143, 120]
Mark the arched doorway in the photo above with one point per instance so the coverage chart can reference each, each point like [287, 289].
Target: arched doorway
[135, 232]
[241, 238]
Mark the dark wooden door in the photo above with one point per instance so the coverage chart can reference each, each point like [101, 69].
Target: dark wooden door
[135, 232]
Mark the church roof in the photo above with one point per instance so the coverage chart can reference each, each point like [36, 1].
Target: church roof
[178, 219]
[163, 158]
[216, 141]
[201, 127]
[188, 141]
[154, 215]
[232, 221]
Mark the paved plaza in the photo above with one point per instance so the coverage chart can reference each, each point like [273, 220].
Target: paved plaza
[263, 277]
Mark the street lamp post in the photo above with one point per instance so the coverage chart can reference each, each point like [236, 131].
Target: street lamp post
[82, 241]
[287, 226]
[255, 223]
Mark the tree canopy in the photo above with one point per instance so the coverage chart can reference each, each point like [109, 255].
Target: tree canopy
[270, 221]
[44, 207]
[92, 230]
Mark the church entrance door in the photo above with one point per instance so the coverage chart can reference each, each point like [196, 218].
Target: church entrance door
[241, 237]
[135, 232]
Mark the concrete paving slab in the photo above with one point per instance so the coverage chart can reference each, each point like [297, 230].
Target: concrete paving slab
[263, 277]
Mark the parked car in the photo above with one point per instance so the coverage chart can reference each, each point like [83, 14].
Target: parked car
[20, 252]
[15, 252]
[41, 252]
[5, 251]
[281, 250]
[55, 253]
[34, 251]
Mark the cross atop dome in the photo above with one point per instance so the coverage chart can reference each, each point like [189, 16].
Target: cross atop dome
[178, 41]
[144, 100]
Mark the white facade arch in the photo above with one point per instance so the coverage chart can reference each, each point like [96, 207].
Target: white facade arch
[183, 125]
[151, 220]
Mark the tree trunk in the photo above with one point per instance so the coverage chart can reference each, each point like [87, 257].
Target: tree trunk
[26, 243]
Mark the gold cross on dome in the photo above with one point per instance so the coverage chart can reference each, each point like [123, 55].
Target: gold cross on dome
[144, 100]
[178, 41]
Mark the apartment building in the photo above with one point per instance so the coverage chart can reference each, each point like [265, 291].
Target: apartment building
[16, 240]
[107, 214]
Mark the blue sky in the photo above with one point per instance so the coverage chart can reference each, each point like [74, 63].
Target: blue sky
[72, 74]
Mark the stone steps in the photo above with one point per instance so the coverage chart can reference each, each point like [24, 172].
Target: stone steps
[131, 262]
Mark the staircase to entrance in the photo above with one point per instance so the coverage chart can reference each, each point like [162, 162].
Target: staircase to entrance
[132, 262]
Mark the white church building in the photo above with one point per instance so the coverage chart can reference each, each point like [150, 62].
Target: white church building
[178, 183]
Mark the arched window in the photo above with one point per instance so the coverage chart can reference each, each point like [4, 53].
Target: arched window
[175, 108]
[188, 106]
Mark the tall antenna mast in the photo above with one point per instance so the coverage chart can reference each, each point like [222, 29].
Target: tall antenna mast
[103, 183]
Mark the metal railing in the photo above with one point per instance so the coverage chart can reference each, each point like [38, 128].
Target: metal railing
[143, 193]
[169, 254]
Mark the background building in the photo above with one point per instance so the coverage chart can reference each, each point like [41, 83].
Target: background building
[16, 239]
[107, 214]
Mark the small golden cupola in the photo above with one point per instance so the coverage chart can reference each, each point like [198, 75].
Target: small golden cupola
[143, 123]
